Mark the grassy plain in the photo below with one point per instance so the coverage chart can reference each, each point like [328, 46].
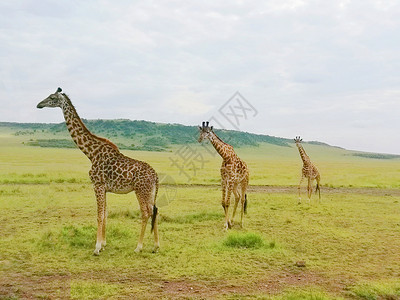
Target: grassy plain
[347, 246]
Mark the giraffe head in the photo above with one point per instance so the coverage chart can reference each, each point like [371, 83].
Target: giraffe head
[54, 100]
[205, 131]
[298, 140]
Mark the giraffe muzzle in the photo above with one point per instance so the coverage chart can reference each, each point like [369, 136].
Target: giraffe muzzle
[41, 104]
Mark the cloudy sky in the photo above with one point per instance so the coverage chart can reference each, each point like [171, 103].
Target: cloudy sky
[325, 70]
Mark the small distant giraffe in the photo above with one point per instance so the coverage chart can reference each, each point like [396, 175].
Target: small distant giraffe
[111, 171]
[234, 174]
[308, 171]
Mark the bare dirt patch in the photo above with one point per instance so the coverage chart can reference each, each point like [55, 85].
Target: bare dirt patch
[27, 286]
[58, 286]
[293, 189]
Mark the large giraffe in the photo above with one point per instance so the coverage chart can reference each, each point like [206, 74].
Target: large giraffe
[234, 174]
[111, 171]
[308, 171]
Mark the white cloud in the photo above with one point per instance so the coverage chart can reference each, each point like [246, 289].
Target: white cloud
[187, 103]
[327, 69]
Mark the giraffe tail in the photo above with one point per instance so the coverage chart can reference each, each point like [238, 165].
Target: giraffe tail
[245, 204]
[155, 208]
[154, 217]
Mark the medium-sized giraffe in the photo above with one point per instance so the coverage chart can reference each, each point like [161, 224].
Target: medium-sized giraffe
[111, 171]
[308, 171]
[234, 174]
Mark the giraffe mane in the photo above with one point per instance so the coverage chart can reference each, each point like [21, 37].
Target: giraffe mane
[219, 139]
[86, 129]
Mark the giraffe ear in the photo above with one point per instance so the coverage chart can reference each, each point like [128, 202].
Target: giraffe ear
[200, 127]
[212, 127]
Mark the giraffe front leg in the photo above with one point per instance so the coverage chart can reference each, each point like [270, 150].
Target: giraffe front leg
[225, 205]
[299, 188]
[237, 198]
[101, 206]
[103, 231]
[309, 189]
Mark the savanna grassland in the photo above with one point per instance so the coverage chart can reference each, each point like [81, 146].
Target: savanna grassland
[347, 246]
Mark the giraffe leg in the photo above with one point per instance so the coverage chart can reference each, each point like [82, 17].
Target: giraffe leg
[243, 203]
[154, 219]
[139, 247]
[299, 188]
[103, 231]
[237, 198]
[146, 211]
[317, 188]
[309, 189]
[225, 204]
[101, 204]
[156, 239]
[224, 191]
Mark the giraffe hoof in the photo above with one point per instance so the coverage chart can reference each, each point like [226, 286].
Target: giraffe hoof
[103, 247]
[97, 249]
[155, 250]
[138, 249]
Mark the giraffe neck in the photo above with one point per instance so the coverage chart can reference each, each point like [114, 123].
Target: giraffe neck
[87, 142]
[223, 149]
[303, 154]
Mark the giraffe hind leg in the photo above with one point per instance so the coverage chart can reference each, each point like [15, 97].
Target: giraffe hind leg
[243, 202]
[243, 210]
[143, 200]
[148, 208]
[139, 246]
[154, 224]
[155, 231]
[318, 188]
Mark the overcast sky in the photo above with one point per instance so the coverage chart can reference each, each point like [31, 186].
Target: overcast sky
[325, 70]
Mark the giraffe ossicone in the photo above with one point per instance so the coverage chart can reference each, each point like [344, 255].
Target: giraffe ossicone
[111, 171]
[234, 174]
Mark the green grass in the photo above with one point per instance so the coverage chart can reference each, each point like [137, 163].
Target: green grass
[306, 294]
[377, 290]
[245, 241]
[92, 290]
[349, 243]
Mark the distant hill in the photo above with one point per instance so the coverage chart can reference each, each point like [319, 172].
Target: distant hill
[149, 136]
[134, 135]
